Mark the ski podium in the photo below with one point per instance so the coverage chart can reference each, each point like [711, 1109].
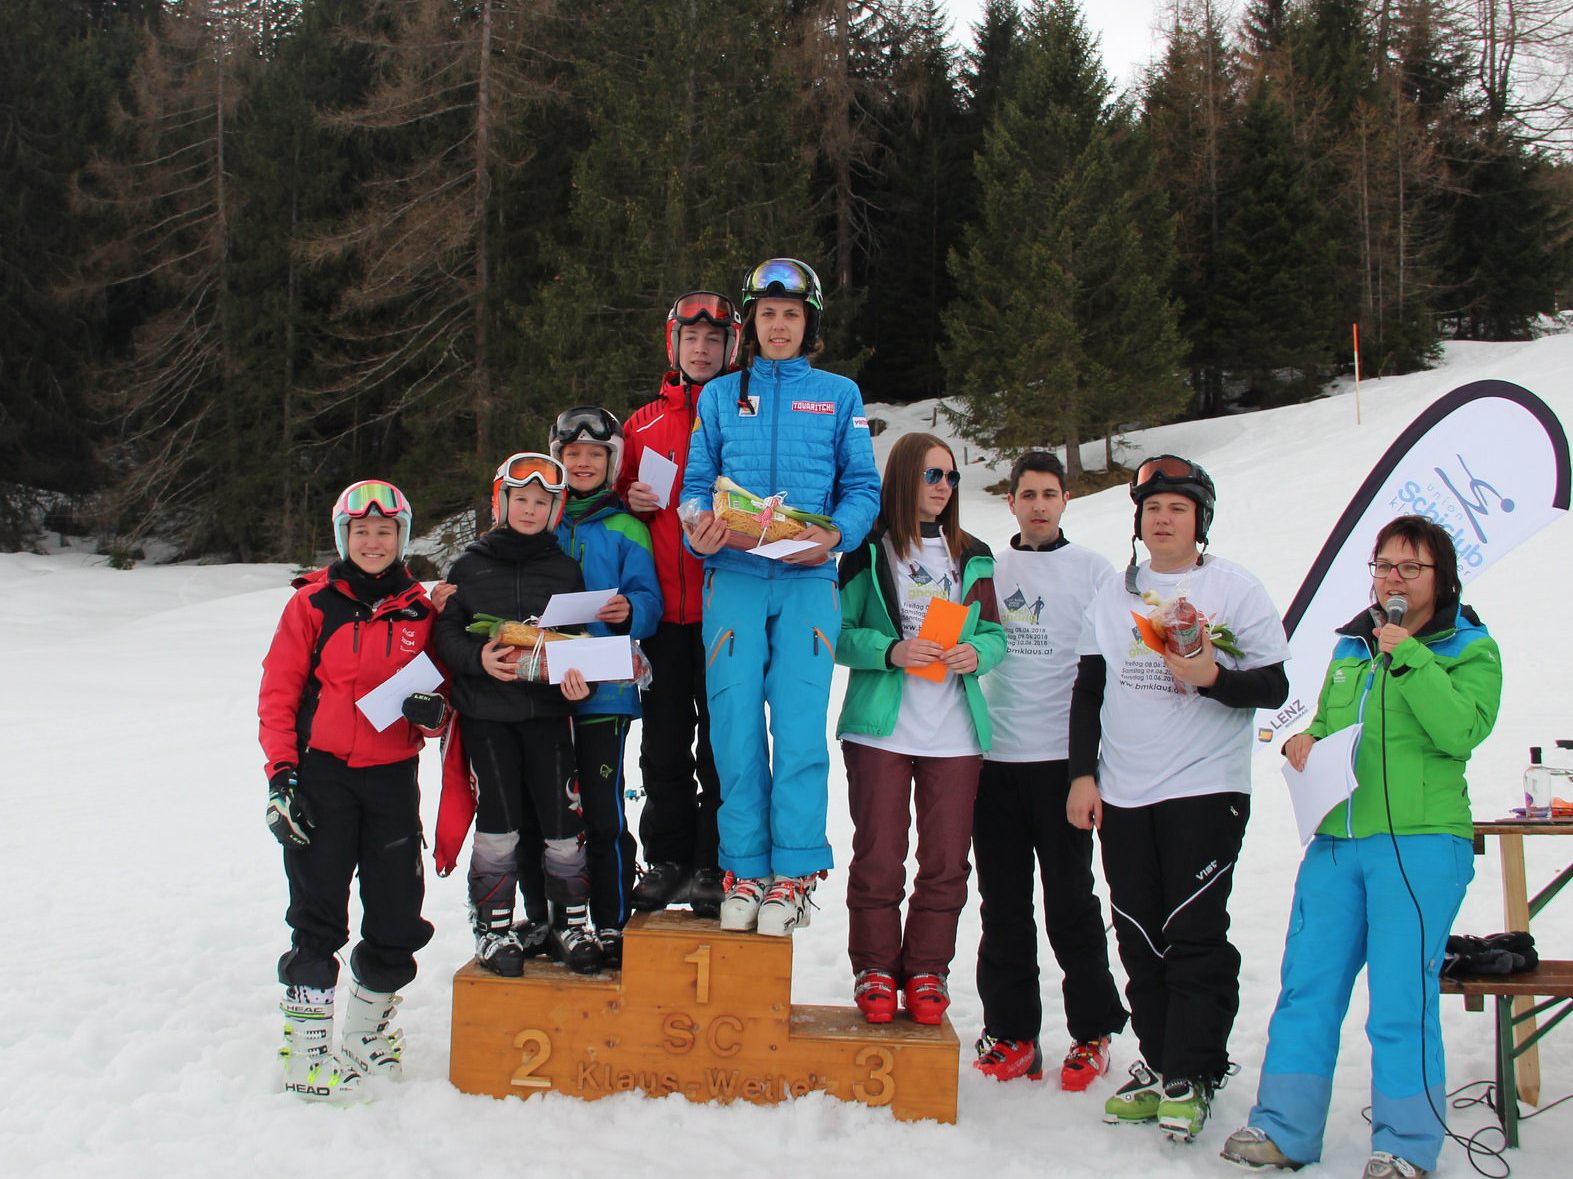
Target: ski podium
[696, 1012]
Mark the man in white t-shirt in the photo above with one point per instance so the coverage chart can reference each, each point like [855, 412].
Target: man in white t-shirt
[1043, 584]
[1160, 762]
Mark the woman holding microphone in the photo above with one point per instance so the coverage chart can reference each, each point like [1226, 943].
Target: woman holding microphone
[1386, 872]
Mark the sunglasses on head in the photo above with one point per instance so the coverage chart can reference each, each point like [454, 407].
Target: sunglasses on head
[373, 495]
[718, 309]
[933, 475]
[524, 468]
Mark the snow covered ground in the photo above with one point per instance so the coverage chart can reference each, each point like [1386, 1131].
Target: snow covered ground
[143, 898]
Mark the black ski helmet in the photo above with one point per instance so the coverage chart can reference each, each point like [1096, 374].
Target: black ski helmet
[787, 278]
[1170, 472]
[1180, 476]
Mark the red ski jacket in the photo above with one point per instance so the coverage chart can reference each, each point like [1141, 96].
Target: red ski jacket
[664, 425]
[330, 650]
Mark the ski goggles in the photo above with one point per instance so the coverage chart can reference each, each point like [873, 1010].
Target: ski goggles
[1165, 466]
[932, 475]
[585, 421]
[693, 307]
[529, 467]
[359, 500]
[780, 278]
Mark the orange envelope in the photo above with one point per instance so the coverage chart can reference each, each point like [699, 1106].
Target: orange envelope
[941, 624]
[1150, 633]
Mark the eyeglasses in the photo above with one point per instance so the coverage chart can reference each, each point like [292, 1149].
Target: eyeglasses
[585, 421]
[691, 308]
[933, 475]
[1406, 570]
[779, 276]
[527, 467]
[1166, 465]
[371, 495]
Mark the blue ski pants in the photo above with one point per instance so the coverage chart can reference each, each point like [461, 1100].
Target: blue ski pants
[1353, 908]
[770, 643]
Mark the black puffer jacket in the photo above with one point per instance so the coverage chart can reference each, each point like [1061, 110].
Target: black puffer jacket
[513, 577]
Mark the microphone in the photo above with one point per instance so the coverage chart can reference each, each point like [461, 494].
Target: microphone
[1397, 607]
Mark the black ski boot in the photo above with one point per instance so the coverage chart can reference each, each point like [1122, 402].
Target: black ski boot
[665, 883]
[706, 892]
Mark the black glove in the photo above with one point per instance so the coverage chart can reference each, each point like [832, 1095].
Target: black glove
[424, 709]
[289, 814]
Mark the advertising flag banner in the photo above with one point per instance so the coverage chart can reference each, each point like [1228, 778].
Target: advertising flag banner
[1488, 462]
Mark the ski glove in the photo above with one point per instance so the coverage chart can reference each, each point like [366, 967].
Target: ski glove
[424, 710]
[289, 814]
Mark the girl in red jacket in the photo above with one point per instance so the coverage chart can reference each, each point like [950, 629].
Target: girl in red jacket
[342, 793]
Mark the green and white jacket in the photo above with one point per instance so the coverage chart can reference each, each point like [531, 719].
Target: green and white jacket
[1424, 715]
[869, 629]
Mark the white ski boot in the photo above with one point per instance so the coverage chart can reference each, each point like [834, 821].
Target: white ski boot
[372, 1046]
[787, 905]
[740, 907]
[312, 1070]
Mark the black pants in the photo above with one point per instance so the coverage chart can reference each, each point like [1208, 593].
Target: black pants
[368, 819]
[682, 792]
[609, 846]
[1170, 867]
[1019, 818]
[528, 792]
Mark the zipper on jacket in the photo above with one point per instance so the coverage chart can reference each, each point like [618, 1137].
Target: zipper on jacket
[726, 637]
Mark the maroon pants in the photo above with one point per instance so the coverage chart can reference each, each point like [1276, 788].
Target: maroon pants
[883, 790]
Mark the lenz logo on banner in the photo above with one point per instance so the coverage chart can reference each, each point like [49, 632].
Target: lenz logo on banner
[1463, 514]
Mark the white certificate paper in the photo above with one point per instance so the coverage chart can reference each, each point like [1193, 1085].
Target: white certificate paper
[777, 549]
[607, 658]
[381, 705]
[572, 609]
[659, 472]
[1327, 780]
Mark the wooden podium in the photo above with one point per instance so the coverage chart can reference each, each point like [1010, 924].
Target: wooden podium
[696, 1012]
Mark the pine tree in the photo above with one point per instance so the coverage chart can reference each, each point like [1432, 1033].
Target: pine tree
[178, 441]
[1190, 111]
[418, 327]
[1070, 330]
[692, 173]
[62, 62]
[1271, 299]
[924, 187]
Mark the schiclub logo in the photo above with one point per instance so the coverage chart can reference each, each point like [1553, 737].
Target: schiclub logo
[1462, 514]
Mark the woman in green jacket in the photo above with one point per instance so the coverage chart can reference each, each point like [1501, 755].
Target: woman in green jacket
[1383, 879]
[914, 725]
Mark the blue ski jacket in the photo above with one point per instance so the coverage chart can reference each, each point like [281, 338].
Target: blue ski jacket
[803, 433]
[612, 547]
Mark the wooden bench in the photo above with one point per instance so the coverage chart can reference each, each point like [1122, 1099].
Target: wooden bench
[1551, 981]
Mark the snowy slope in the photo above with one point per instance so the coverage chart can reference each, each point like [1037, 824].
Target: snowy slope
[143, 898]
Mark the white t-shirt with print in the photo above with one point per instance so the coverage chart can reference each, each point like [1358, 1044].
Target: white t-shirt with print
[1042, 598]
[1161, 739]
[933, 721]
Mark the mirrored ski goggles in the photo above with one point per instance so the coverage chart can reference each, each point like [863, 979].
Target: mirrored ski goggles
[779, 277]
[1167, 466]
[933, 475]
[528, 467]
[585, 421]
[718, 309]
[371, 495]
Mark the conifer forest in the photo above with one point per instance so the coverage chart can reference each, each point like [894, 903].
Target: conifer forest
[252, 250]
